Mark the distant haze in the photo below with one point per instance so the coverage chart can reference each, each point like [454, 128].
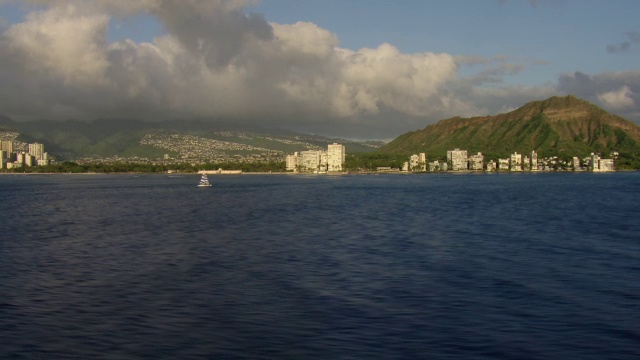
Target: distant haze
[224, 60]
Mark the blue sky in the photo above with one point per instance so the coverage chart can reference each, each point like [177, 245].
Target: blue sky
[566, 35]
[353, 68]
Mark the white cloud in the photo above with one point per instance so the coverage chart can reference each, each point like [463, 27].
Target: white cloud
[618, 92]
[215, 61]
[62, 43]
[617, 99]
[386, 77]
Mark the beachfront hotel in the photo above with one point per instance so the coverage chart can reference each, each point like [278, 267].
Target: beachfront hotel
[457, 160]
[9, 159]
[318, 161]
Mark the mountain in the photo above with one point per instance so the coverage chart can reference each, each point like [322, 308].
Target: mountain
[563, 126]
[201, 140]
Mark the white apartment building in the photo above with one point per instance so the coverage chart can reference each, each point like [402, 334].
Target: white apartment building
[434, 166]
[34, 156]
[417, 162]
[36, 150]
[600, 165]
[457, 159]
[476, 162]
[20, 157]
[6, 145]
[317, 160]
[534, 161]
[30, 160]
[575, 163]
[414, 160]
[310, 160]
[336, 156]
[503, 164]
[422, 162]
[516, 162]
[491, 165]
[323, 161]
[293, 161]
[606, 165]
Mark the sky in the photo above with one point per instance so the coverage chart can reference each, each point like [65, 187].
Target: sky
[359, 69]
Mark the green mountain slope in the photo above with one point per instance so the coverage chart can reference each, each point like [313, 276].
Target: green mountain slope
[68, 140]
[563, 126]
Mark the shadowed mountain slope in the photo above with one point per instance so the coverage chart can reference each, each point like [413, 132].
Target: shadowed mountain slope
[130, 138]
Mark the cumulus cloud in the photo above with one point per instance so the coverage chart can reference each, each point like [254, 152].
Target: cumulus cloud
[617, 99]
[62, 43]
[215, 61]
[614, 91]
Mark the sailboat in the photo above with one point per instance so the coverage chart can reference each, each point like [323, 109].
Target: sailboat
[204, 181]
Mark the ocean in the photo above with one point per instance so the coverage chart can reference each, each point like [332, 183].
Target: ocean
[420, 266]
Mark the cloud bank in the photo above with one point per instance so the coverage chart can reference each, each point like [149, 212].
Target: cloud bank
[215, 61]
[618, 92]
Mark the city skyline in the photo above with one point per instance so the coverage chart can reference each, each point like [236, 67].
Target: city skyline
[356, 69]
[12, 157]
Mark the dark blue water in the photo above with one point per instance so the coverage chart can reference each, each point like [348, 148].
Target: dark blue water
[500, 266]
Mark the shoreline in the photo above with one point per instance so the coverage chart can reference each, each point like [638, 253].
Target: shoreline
[313, 174]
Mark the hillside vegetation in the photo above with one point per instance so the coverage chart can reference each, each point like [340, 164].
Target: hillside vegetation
[563, 126]
[69, 140]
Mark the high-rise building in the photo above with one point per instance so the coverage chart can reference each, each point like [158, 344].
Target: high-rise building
[476, 162]
[575, 163]
[293, 161]
[491, 165]
[598, 164]
[606, 165]
[516, 162]
[310, 160]
[20, 157]
[417, 162]
[6, 145]
[534, 161]
[324, 162]
[37, 150]
[503, 164]
[414, 162]
[457, 159]
[336, 156]
[30, 160]
[317, 160]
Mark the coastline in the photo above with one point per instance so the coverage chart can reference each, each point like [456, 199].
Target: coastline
[312, 174]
